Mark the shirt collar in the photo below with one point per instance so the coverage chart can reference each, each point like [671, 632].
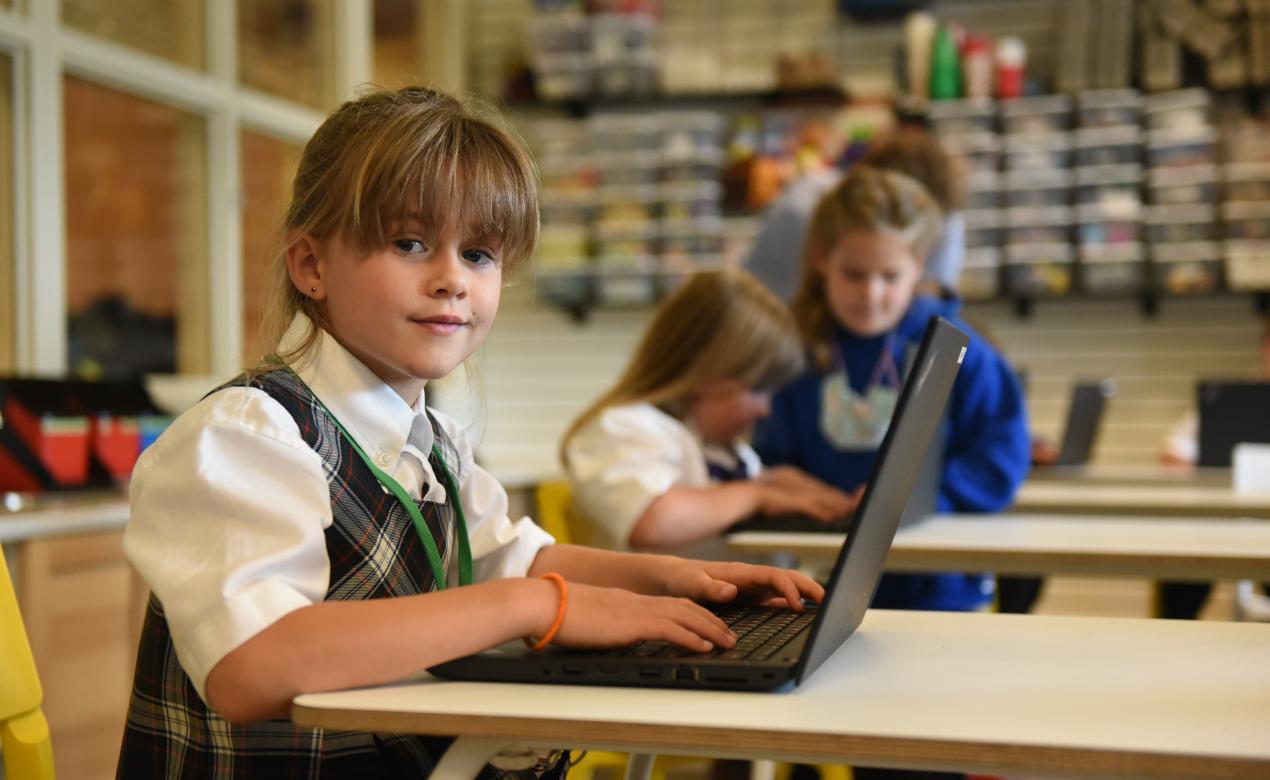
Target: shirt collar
[371, 411]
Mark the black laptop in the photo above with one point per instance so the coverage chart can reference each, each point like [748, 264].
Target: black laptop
[775, 646]
[1231, 412]
[1084, 419]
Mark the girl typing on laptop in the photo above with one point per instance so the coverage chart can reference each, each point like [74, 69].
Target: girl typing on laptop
[660, 460]
[312, 525]
[858, 316]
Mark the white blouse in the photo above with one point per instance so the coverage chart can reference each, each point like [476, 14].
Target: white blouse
[629, 455]
[230, 505]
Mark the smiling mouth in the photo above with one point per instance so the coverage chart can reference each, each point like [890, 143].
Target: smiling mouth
[441, 325]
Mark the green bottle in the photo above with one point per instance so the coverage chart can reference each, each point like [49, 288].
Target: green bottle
[945, 70]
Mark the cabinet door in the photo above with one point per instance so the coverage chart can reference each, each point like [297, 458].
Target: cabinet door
[82, 605]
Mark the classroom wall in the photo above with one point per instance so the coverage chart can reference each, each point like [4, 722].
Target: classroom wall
[540, 368]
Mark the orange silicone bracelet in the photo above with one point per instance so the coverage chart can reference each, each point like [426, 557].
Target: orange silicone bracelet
[555, 624]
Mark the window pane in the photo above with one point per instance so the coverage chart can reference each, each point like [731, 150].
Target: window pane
[171, 29]
[286, 48]
[136, 276]
[268, 167]
[397, 42]
[6, 214]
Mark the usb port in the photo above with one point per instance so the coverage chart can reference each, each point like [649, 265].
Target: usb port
[573, 669]
[650, 671]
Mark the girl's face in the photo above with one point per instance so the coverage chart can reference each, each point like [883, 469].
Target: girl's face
[869, 280]
[723, 410]
[414, 309]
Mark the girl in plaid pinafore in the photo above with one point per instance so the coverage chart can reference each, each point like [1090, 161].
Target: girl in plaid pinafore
[313, 526]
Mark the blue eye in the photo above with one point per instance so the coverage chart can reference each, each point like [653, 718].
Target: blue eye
[409, 245]
[479, 257]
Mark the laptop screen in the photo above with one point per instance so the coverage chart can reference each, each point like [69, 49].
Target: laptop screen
[1231, 412]
[904, 450]
[1084, 417]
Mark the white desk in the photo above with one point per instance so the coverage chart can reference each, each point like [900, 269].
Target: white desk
[1206, 548]
[1114, 474]
[999, 694]
[1108, 499]
[63, 514]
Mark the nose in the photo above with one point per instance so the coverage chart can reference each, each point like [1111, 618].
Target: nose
[876, 288]
[446, 274]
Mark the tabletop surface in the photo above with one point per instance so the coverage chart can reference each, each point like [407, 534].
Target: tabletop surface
[1171, 499]
[1133, 474]
[971, 691]
[1056, 544]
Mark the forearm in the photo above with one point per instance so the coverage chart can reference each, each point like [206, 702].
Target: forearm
[631, 571]
[683, 515]
[346, 644]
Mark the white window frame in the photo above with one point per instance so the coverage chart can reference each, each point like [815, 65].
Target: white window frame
[43, 51]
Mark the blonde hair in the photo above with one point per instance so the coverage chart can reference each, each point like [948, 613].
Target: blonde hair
[866, 200]
[391, 154]
[720, 325]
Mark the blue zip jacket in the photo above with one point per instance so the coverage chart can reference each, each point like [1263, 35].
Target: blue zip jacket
[987, 450]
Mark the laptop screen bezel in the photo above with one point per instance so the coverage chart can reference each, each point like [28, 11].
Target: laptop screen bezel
[940, 337]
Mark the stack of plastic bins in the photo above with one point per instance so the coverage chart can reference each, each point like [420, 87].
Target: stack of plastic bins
[967, 129]
[981, 267]
[1107, 153]
[1108, 108]
[624, 56]
[1246, 179]
[981, 272]
[560, 54]
[626, 226]
[1036, 115]
[690, 164]
[1038, 252]
[570, 197]
[960, 117]
[980, 150]
[1037, 230]
[1181, 222]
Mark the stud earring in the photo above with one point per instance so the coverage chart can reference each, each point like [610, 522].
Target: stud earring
[313, 290]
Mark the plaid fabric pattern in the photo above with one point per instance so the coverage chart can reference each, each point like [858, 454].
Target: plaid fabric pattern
[374, 553]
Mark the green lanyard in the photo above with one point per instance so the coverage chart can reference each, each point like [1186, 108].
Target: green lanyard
[407, 503]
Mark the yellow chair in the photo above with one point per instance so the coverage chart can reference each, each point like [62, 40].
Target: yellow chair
[556, 516]
[24, 733]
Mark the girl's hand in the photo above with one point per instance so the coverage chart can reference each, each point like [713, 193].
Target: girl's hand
[829, 503]
[613, 617]
[821, 502]
[719, 582]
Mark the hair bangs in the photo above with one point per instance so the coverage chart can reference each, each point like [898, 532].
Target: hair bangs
[451, 175]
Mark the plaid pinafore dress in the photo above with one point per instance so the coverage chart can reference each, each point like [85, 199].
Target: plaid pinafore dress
[374, 552]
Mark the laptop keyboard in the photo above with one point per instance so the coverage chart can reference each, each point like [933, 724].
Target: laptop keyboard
[761, 632]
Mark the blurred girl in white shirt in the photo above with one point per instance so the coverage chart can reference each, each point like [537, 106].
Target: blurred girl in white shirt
[660, 460]
[312, 525]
